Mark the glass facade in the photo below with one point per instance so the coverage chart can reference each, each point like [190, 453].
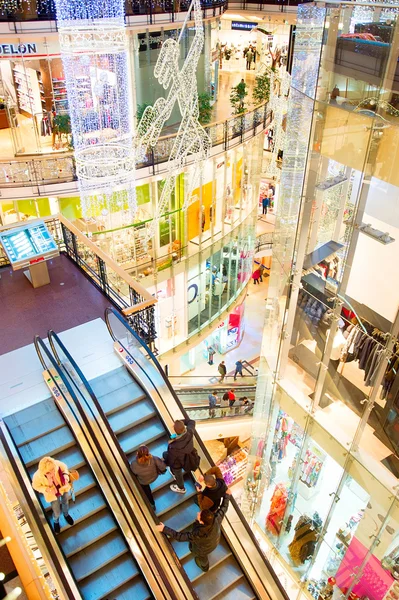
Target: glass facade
[199, 261]
[322, 480]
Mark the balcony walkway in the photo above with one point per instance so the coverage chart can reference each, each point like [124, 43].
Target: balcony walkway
[69, 300]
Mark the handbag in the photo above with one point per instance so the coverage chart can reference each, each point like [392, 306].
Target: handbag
[73, 476]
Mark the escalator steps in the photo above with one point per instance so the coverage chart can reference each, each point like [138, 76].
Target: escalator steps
[96, 556]
[216, 557]
[47, 445]
[118, 578]
[167, 500]
[140, 411]
[136, 422]
[35, 421]
[218, 578]
[79, 536]
[142, 434]
[97, 552]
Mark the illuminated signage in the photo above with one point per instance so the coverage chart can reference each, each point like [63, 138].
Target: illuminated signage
[13, 49]
[28, 244]
[243, 25]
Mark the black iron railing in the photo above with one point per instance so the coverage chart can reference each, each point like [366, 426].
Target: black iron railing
[60, 169]
[121, 290]
[44, 10]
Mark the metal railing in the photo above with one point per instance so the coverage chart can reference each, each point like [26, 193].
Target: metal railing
[126, 294]
[264, 242]
[202, 413]
[60, 168]
[283, 5]
[31, 10]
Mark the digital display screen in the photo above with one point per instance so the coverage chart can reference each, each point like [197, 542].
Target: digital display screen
[28, 242]
[243, 25]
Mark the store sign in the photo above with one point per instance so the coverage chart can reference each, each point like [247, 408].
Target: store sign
[34, 261]
[243, 25]
[17, 49]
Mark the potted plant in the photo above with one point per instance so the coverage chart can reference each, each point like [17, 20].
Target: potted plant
[62, 127]
[205, 108]
[237, 98]
[261, 90]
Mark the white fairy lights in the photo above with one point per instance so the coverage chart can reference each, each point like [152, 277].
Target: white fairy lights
[191, 137]
[278, 104]
[94, 53]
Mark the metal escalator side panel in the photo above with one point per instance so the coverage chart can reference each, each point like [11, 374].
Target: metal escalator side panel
[90, 450]
[19, 479]
[160, 555]
[245, 547]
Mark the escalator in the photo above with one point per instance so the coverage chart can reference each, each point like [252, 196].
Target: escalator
[195, 402]
[137, 406]
[96, 551]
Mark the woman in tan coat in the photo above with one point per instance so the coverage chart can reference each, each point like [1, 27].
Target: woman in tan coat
[52, 479]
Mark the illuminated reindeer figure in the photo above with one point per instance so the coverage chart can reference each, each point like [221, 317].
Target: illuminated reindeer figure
[191, 137]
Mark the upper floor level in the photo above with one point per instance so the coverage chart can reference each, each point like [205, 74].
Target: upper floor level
[40, 15]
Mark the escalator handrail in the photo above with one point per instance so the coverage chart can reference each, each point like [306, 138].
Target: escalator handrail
[40, 345]
[49, 543]
[243, 520]
[52, 336]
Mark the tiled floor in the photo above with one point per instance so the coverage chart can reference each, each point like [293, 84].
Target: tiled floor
[69, 300]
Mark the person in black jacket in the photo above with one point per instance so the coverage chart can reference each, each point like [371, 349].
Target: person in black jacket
[215, 489]
[181, 453]
[205, 534]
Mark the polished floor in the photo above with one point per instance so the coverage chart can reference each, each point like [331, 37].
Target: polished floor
[69, 300]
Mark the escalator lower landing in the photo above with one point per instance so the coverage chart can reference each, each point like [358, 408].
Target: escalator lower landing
[135, 421]
[96, 551]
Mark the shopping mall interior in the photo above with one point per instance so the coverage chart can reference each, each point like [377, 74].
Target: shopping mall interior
[199, 223]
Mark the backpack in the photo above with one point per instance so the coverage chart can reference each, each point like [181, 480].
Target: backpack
[191, 461]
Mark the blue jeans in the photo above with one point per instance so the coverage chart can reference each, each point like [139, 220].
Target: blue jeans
[56, 505]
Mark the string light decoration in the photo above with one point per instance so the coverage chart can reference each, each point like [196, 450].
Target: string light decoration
[191, 137]
[94, 50]
[377, 103]
[278, 103]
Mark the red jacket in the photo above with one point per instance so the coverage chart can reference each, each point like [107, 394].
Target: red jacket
[256, 274]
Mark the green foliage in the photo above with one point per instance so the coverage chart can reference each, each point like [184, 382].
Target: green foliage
[261, 91]
[62, 126]
[237, 98]
[140, 109]
[62, 123]
[205, 108]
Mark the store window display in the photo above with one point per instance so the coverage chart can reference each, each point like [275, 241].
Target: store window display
[33, 94]
[298, 501]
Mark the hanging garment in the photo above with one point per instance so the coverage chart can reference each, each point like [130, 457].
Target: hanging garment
[374, 367]
[303, 545]
[278, 504]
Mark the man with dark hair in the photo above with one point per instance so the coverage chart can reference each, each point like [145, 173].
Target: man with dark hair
[181, 454]
[205, 534]
[215, 488]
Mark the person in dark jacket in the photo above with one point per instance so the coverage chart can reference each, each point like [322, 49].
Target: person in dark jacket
[205, 534]
[222, 370]
[147, 468]
[215, 489]
[238, 371]
[179, 451]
